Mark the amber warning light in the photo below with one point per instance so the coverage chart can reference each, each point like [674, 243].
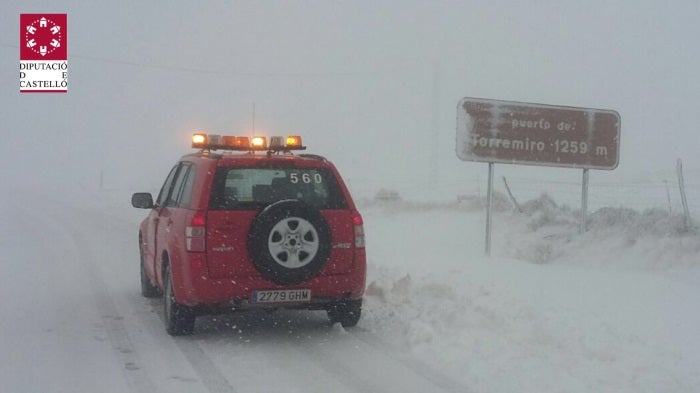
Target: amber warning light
[259, 143]
[243, 143]
[199, 140]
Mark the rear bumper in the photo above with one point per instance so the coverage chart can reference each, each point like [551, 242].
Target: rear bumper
[235, 305]
[204, 292]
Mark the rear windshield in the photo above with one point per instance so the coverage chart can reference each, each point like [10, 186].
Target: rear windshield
[251, 188]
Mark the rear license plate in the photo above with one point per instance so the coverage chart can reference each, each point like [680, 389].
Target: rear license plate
[281, 296]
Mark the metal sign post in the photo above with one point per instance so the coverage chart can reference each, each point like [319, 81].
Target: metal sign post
[584, 201]
[489, 210]
[512, 132]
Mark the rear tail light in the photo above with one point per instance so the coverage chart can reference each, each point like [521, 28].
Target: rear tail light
[359, 232]
[195, 233]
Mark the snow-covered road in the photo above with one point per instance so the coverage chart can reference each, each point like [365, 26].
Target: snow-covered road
[439, 317]
[76, 322]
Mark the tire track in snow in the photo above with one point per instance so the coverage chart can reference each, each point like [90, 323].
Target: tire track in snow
[204, 367]
[248, 345]
[208, 372]
[441, 380]
[303, 353]
[378, 368]
[112, 321]
[118, 335]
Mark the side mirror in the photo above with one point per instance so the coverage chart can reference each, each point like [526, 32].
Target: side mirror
[142, 200]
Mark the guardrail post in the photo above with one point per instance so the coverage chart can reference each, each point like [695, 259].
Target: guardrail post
[684, 200]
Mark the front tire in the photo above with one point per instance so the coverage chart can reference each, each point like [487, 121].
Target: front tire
[147, 288]
[179, 319]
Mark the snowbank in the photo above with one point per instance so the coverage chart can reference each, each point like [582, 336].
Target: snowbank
[609, 310]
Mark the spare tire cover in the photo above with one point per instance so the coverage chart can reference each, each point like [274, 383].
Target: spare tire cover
[289, 242]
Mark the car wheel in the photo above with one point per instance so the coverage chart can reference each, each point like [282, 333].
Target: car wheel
[347, 313]
[147, 288]
[289, 242]
[179, 319]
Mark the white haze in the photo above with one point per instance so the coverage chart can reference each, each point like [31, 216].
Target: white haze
[373, 85]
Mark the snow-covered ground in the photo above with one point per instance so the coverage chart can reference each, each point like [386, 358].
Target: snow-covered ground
[612, 310]
[615, 309]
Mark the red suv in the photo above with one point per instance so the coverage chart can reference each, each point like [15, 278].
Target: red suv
[261, 228]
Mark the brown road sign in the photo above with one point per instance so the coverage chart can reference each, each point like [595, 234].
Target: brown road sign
[535, 134]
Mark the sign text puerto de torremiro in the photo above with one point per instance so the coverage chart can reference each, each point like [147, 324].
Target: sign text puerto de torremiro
[536, 134]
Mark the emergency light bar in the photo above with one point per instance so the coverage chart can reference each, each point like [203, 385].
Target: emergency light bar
[243, 143]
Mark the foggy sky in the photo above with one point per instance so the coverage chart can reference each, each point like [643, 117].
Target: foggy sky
[372, 85]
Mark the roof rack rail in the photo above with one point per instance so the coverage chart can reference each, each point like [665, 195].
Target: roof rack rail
[313, 156]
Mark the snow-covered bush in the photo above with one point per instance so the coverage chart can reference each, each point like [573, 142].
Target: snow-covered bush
[500, 202]
[544, 211]
[655, 222]
[385, 195]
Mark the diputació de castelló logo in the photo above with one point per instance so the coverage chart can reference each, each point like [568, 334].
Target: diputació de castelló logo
[43, 53]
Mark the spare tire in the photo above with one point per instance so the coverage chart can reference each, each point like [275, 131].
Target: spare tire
[289, 242]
